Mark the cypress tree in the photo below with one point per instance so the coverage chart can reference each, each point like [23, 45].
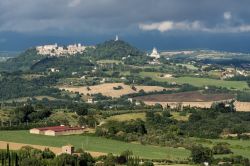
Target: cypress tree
[2, 160]
[16, 160]
[8, 154]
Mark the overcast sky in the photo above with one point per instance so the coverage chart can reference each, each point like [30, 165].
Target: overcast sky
[166, 24]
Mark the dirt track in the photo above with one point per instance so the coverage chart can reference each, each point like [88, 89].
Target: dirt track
[56, 150]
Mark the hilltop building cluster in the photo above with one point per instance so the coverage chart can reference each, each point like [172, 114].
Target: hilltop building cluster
[55, 50]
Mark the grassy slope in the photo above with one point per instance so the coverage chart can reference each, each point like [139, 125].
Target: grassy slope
[61, 116]
[109, 61]
[98, 144]
[129, 116]
[24, 99]
[142, 116]
[199, 82]
[239, 147]
[189, 66]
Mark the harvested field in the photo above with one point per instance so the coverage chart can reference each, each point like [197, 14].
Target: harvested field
[195, 96]
[239, 106]
[242, 106]
[107, 89]
[185, 104]
[129, 116]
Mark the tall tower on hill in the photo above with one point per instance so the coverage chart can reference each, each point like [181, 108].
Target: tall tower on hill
[116, 38]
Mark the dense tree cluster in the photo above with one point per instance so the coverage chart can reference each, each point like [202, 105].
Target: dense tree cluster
[15, 87]
[29, 114]
[211, 123]
[28, 156]
[127, 131]
[162, 129]
[243, 96]
[202, 155]
[22, 62]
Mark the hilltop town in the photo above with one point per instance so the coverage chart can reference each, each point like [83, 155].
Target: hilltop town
[55, 50]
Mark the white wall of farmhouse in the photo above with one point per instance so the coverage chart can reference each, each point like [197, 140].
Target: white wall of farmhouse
[35, 131]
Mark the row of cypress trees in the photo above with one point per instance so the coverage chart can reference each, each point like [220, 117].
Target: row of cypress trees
[9, 158]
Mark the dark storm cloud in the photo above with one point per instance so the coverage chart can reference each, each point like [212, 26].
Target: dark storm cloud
[109, 16]
[166, 24]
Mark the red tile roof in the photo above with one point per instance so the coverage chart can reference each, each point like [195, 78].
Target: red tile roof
[59, 128]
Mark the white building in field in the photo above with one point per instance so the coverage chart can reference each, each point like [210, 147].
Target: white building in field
[155, 54]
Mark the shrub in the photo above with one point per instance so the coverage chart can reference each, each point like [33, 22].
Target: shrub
[221, 148]
[200, 154]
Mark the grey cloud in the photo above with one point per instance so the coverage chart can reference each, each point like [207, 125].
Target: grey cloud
[196, 26]
[64, 17]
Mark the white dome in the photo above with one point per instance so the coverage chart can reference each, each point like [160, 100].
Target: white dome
[155, 54]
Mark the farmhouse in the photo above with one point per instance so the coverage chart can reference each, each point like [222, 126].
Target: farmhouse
[57, 130]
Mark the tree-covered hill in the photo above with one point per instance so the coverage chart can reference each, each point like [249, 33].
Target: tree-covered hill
[65, 64]
[22, 62]
[15, 87]
[114, 50]
[30, 60]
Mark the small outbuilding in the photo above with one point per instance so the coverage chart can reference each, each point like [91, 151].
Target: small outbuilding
[69, 149]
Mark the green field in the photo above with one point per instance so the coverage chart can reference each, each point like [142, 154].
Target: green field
[98, 144]
[61, 116]
[24, 99]
[188, 66]
[199, 82]
[129, 116]
[109, 61]
[142, 116]
[239, 147]
[177, 116]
